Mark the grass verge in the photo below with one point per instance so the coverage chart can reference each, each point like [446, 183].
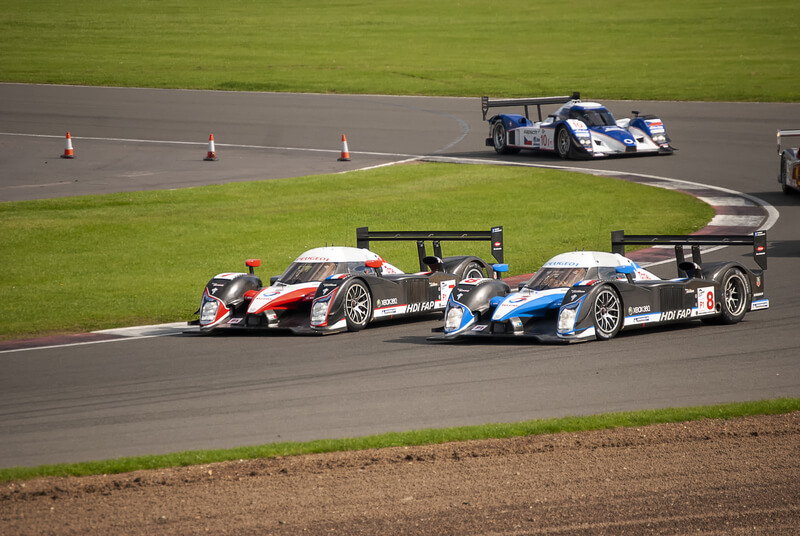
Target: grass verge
[411, 438]
[738, 50]
[86, 263]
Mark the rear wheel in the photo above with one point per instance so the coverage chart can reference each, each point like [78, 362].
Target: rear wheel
[607, 313]
[473, 270]
[735, 296]
[357, 306]
[783, 178]
[500, 138]
[563, 142]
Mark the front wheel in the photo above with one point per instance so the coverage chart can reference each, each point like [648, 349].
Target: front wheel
[357, 306]
[563, 143]
[607, 313]
[735, 296]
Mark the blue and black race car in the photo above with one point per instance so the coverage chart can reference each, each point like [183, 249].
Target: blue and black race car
[577, 129]
[586, 295]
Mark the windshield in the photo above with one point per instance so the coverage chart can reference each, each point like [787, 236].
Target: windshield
[593, 118]
[548, 278]
[305, 272]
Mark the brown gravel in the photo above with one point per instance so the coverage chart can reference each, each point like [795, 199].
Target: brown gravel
[710, 477]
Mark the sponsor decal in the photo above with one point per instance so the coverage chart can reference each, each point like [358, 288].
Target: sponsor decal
[420, 307]
[386, 302]
[679, 314]
[313, 258]
[706, 300]
[480, 327]
[640, 309]
[641, 319]
[237, 320]
[561, 263]
[471, 281]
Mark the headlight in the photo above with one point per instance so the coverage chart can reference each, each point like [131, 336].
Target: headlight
[208, 313]
[660, 138]
[452, 320]
[319, 312]
[566, 319]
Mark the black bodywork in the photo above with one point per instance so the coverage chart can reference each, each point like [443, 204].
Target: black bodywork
[350, 302]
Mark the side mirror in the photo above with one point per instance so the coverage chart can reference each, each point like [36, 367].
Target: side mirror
[253, 263]
[273, 279]
[499, 270]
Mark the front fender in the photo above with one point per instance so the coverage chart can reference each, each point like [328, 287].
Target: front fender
[470, 301]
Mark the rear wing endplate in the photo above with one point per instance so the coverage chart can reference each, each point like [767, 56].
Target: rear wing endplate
[782, 134]
[758, 240]
[487, 103]
[364, 236]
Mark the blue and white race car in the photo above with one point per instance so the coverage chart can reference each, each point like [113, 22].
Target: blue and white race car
[587, 295]
[576, 130]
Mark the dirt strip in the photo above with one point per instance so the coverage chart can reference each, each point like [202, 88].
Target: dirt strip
[710, 477]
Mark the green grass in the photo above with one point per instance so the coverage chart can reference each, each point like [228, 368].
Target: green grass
[96, 262]
[416, 437]
[739, 50]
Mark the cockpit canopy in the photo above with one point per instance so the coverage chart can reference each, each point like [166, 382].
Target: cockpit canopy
[306, 272]
[547, 278]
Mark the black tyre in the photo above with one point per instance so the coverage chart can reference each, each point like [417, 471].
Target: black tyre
[472, 270]
[357, 306]
[735, 297]
[500, 138]
[563, 142]
[782, 177]
[607, 313]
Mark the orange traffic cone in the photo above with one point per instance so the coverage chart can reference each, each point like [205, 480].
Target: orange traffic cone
[68, 153]
[345, 153]
[212, 154]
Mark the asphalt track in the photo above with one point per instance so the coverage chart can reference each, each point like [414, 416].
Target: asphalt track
[119, 397]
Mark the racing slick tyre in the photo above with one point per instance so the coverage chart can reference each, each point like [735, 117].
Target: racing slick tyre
[563, 143]
[735, 297]
[472, 270]
[607, 313]
[782, 178]
[500, 139]
[357, 306]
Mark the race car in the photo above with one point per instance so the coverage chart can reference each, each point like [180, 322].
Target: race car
[586, 295]
[332, 289]
[579, 130]
[789, 171]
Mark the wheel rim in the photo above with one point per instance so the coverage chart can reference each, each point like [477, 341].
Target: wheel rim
[606, 312]
[563, 142]
[357, 304]
[734, 295]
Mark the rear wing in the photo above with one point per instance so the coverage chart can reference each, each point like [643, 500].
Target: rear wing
[364, 236]
[487, 103]
[782, 134]
[758, 240]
